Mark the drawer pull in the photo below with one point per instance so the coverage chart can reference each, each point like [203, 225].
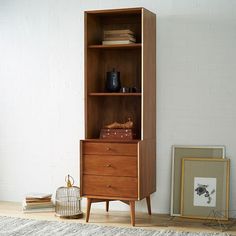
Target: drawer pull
[108, 186]
[108, 148]
[108, 165]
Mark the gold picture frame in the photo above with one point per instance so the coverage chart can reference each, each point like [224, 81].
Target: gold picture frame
[205, 187]
[179, 152]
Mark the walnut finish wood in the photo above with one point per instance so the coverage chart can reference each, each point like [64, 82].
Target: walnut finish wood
[110, 186]
[120, 170]
[107, 205]
[94, 200]
[131, 203]
[149, 74]
[147, 168]
[149, 205]
[126, 202]
[132, 212]
[126, 61]
[114, 94]
[110, 198]
[89, 202]
[112, 165]
[117, 46]
[121, 11]
[109, 148]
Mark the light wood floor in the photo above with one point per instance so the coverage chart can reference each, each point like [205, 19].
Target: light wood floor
[121, 219]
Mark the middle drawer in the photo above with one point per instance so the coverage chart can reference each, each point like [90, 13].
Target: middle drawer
[110, 165]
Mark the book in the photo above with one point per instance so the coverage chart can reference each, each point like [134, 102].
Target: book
[37, 204]
[117, 35]
[37, 195]
[113, 42]
[124, 31]
[119, 38]
[37, 200]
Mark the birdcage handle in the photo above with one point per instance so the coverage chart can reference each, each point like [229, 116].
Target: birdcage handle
[69, 181]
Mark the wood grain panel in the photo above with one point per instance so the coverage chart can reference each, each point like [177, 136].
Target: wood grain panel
[117, 169]
[147, 168]
[110, 186]
[149, 74]
[120, 11]
[110, 165]
[112, 169]
[127, 62]
[92, 35]
[93, 29]
[109, 148]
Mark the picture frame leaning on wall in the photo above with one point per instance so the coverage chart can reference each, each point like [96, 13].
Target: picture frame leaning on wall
[205, 188]
[190, 151]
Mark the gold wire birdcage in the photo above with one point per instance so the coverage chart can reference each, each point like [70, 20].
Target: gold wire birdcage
[68, 200]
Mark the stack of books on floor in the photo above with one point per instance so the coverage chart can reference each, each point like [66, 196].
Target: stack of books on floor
[38, 202]
[125, 36]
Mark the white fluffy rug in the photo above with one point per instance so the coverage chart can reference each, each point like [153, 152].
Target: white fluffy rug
[10, 226]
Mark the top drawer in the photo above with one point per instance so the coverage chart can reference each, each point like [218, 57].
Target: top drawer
[108, 148]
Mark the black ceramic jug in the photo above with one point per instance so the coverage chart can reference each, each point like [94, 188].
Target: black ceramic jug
[113, 81]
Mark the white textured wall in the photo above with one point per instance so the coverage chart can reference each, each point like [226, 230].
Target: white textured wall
[41, 88]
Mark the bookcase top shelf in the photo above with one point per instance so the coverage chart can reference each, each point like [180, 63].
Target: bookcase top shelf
[121, 11]
[132, 45]
[115, 94]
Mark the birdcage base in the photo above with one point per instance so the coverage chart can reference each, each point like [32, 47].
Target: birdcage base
[77, 216]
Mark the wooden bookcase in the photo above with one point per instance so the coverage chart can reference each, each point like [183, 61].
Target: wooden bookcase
[119, 169]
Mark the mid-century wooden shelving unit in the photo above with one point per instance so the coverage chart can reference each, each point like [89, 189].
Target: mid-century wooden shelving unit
[119, 169]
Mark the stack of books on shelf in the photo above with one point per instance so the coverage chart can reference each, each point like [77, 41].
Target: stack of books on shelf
[38, 202]
[125, 36]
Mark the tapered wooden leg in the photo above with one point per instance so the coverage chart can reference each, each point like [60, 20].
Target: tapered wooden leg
[149, 205]
[132, 212]
[89, 202]
[107, 205]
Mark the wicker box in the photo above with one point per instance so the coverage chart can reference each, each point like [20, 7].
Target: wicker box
[117, 134]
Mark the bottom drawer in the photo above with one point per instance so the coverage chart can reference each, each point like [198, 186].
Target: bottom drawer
[110, 186]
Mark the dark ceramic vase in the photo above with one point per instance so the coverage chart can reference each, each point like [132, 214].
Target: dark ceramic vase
[113, 81]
